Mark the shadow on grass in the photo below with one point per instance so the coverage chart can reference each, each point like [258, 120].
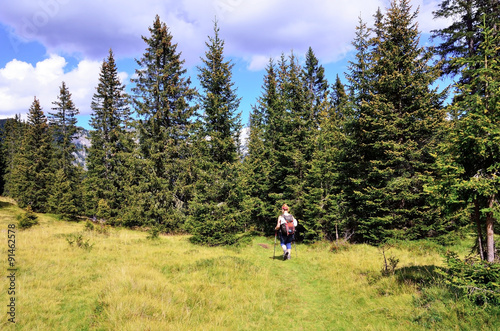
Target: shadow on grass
[422, 276]
[5, 204]
[280, 257]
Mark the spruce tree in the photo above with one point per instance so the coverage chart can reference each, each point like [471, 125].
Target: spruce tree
[339, 97]
[353, 165]
[259, 162]
[462, 40]
[276, 127]
[463, 36]
[474, 141]
[219, 103]
[321, 197]
[358, 73]
[299, 123]
[63, 123]
[395, 133]
[282, 131]
[162, 99]
[110, 154]
[12, 137]
[33, 175]
[315, 82]
[66, 192]
[216, 207]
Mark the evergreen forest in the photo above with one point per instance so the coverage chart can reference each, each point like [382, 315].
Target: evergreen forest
[384, 156]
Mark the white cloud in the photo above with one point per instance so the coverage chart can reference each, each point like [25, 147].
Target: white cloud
[20, 82]
[257, 62]
[251, 28]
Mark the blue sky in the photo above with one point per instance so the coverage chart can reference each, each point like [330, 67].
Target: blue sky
[46, 42]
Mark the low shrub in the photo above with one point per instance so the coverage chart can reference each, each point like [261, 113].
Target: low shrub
[477, 280]
[79, 241]
[390, 262]
[28, 219]
[154, 233]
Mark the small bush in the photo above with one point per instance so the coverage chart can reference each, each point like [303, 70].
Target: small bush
[214, 225]
[477, 280]
[103, 229]
[99, 228]
[79, 241]
[154, 233]
[390, 263]
[89, 226]
[28, 219]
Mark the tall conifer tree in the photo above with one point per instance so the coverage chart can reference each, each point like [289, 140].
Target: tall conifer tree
[259, 161]
[63, 123]
[216, 207]
[352, 166]
[315, 83]
[474, 140]
[322, 197]
[162, 99]
[395, 133]
[65, 196]
[32, 176]
[110, 153]
[12, 138]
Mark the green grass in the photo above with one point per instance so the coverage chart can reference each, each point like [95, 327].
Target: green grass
[127, 282]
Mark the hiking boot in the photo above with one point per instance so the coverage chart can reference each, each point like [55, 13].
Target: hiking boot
[286, 256]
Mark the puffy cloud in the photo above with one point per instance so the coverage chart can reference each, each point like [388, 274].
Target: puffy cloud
[252, 29]
[20, 82]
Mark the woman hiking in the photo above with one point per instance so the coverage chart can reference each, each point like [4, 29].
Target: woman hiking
[286, 226]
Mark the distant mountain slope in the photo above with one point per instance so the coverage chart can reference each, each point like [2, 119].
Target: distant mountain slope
[82, 142]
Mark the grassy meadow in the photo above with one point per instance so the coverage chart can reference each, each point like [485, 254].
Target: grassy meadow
[120, 280]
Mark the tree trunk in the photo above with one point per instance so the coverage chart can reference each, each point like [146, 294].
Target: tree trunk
[490, 221]
[477, 220]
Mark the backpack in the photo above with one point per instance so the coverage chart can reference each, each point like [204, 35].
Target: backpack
[288, 229]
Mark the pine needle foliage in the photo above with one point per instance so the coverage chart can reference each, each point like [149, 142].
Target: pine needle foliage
[162, 99]
[258, 163]
[216, 206]
[473, 144]
[11, 138]
[395, 133]
[32, 177]
[111, 151]
[65, 195]
[463, 37]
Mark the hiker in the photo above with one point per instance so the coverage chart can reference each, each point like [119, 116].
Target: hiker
[286, 226]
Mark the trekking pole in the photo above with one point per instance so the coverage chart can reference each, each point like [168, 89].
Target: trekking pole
[274, 253]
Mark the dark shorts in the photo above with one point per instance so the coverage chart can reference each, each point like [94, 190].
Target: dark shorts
[286, 241]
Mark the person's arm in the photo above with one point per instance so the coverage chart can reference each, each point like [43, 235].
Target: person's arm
[278, 224]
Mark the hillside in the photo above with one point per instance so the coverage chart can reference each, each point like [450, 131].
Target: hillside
[119, 280]
[82, 141]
